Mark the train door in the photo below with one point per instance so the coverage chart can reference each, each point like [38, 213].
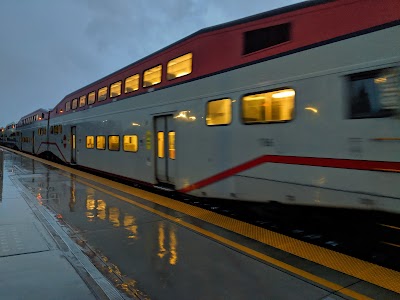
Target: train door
[33, 142]
[73, 145]
[165, 149]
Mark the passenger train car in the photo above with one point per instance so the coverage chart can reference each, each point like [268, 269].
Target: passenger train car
[8, 135]
[298, 105]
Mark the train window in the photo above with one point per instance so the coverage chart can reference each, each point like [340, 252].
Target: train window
[115, 89]
[171, 144]
[82, 101]
[219, 112]
[160, 145]
[152, 76]
[102, 94]
[67, 106]
[268, 107]
[179, 66]
[56, 129]
[101, 142]
[74, 103]
[59, 129]
[374, 94]
[113, 142]
[262, 38]
[132, 83]
[91, 98]
[90, 142]
[130, 143]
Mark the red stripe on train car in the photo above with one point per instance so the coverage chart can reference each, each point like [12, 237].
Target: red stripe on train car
[364, 165]
[51, 143]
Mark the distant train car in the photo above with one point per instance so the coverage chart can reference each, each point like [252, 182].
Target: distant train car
[8, 135]
[32, 128]
[299, 105]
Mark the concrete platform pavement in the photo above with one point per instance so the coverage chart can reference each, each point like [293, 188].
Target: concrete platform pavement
[36, 262]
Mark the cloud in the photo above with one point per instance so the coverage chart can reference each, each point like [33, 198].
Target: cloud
[51, 48]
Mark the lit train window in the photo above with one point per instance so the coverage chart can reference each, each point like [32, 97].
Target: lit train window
[269, 107]
[130, 143]
[74, 103]
[219, 112]
[101, 142]
[90, 142]
[91, 98]
[102, 94]
[152, 76]
[179, 66]
[82, 101]
[132, 83]
[113, 142]
[171, 144]
[115, 89]
[56, 129]
[160, 145]
[59, 129]
[67, 106]
[374, 94]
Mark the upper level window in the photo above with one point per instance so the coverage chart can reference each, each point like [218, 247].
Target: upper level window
[115, 89]
[74, 103]
[91, 98]
[132, 83]
[179, 66]
[67, 106]
[374, 94]
[268, 107]
[219, 112]
[102, 94]
[152, 76]
[262, 38]
[82, 101]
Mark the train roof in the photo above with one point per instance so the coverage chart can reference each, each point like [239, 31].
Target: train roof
[310, 24]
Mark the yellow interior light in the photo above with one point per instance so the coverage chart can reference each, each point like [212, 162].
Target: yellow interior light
[283, 94]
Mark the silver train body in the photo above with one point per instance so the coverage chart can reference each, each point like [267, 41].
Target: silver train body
[219, 161]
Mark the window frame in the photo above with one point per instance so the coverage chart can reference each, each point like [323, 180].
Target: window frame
[94, 99]
[120, 89]
[153, 84]
[74, 104]
[106, 93]
[80, 101]
[206, 110]
[171, 60]
[93, 142]
[360, 76]
[263, 92]
[105, 142]
[123, 143]
[138, 85]
[119, 142]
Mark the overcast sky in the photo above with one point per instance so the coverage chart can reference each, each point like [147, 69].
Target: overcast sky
[49, 48]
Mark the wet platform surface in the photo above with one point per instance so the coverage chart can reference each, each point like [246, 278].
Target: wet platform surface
[168, 253]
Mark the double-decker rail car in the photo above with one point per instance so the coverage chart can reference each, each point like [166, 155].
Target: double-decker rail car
[298, 105]
[9, 135]
[32, 132]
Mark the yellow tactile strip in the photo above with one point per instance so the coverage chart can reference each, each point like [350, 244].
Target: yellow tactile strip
[362, 270]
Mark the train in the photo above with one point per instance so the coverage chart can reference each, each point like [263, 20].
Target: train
[299, 105]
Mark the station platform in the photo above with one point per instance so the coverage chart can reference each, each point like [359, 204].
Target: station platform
[67, 234]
